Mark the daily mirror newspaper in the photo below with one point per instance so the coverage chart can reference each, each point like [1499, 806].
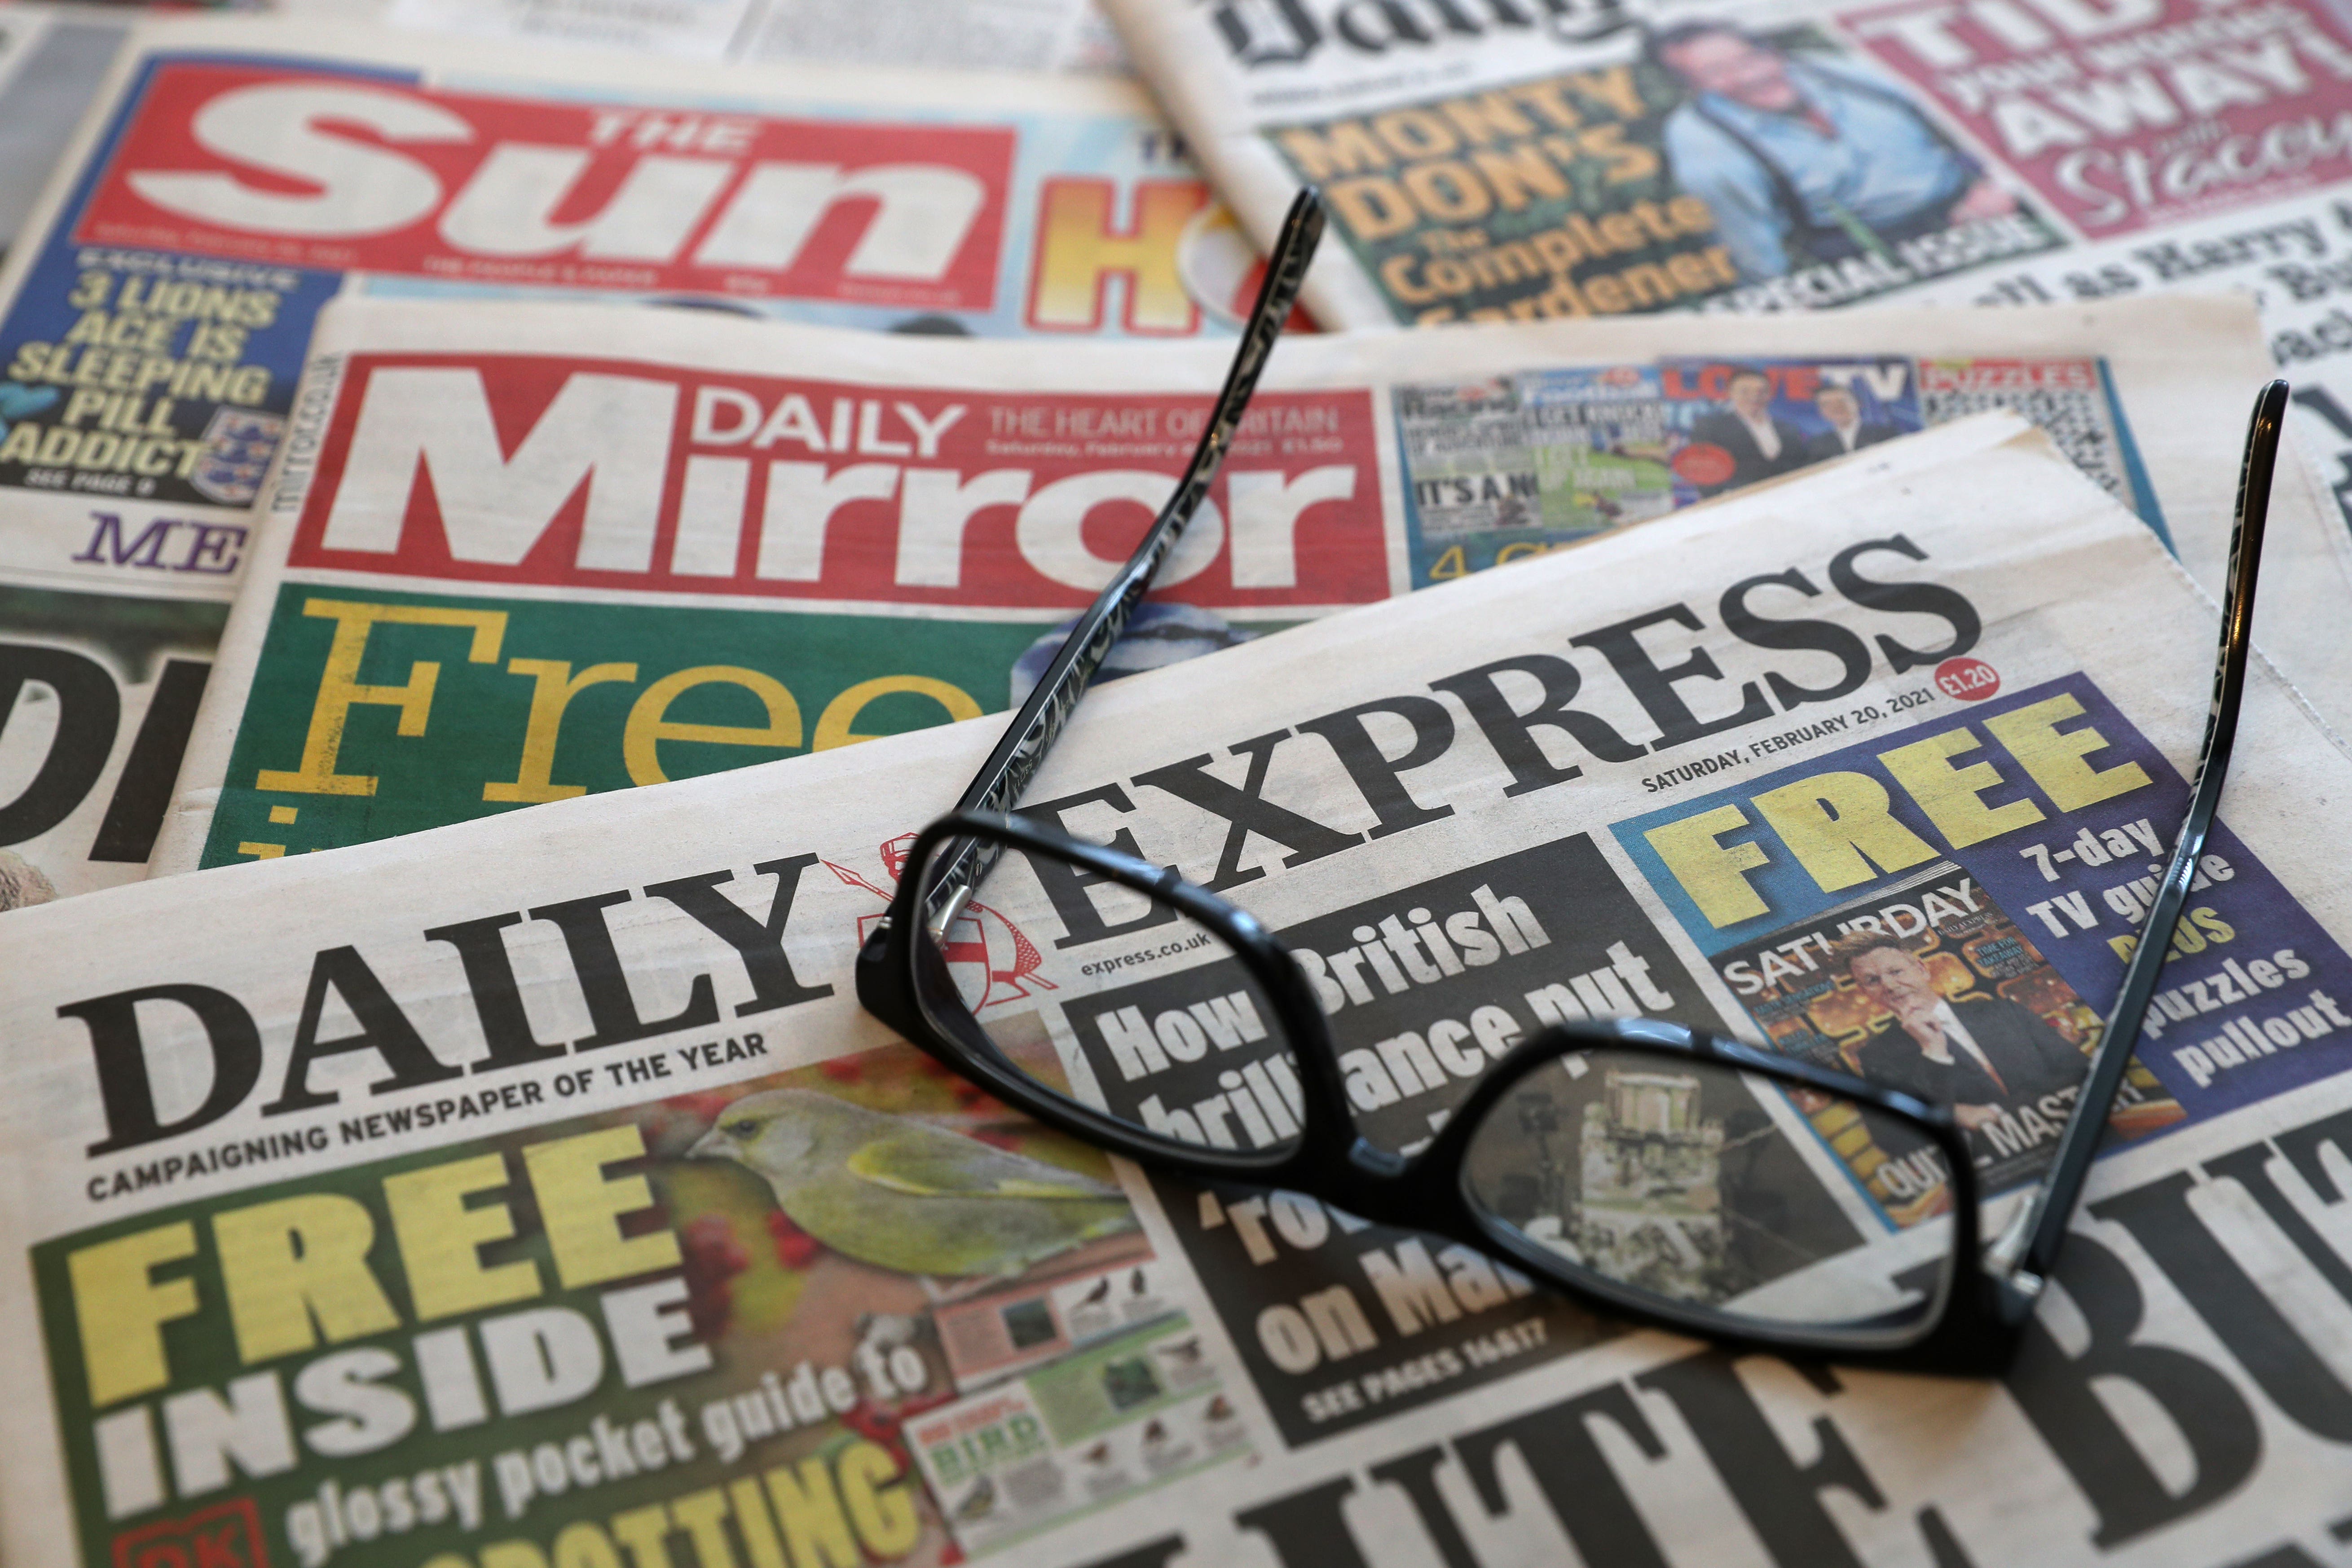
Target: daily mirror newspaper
[235, 175]
[498, 569]
[1524, 159]
[533, 1191]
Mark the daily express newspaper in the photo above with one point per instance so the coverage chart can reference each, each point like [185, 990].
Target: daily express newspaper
[498, 569]
[1523, 159]
[237, 174]
[532, 1191]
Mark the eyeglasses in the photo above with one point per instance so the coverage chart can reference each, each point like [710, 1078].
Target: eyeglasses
[1596, 1157]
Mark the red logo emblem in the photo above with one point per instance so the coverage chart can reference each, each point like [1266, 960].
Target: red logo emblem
[984, 950]
[1969, 679]
[225, 1535]
[1703, 463]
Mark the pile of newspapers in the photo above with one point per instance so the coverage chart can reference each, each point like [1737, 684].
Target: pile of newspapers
[514, 513]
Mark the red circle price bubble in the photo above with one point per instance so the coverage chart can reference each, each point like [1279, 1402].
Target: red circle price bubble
[1968, 680]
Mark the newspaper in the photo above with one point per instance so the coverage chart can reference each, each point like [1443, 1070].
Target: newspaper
[534, 1190]
[237, 174]
[1560, 158]
[52, 58]
[999, 34]
[442, 623]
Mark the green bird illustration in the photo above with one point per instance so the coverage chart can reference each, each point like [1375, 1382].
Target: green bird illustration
[905, 1196]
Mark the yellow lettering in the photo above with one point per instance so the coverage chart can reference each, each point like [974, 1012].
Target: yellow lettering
[1613, 87]
[702, 1516]
[1713, 874]
[555, 688]
[579, 1206]
[286, 1263]
[649, 725]
[877, 1501]
[641, 1530]
[1346, 147]
[758, 1529]
[1079, 244]
[339, 689]
[832, 726]
[122, 1308]
[1948, 794]
[1838, 825]
[1373, 206]
[583, 1545]
[2056, 762]
[810, 1512]
[441, 1239]
[513, 1554]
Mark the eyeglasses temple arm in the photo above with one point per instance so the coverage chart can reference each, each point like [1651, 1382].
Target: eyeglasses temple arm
[2030, 1246]
[1022, 751]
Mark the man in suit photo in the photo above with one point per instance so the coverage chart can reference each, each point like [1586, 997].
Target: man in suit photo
[1804, 158]
[1981, 1057]
[1848, 431]
[1761, 443]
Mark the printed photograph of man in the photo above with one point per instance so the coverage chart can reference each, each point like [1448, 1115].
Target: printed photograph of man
[1761, 443]
[1982, 1056]
[1848, 430]
[1803, 160]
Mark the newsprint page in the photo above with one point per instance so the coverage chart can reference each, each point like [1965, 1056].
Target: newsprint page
[233, 175]
[499, 567]
[1517, 160]
[533, 1192]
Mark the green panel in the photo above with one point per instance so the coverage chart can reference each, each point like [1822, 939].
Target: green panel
[471, 732]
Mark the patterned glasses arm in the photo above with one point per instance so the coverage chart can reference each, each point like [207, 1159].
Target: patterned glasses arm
[1022, 751]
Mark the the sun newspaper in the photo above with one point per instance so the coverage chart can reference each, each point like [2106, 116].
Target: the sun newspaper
[501, 568]
[532, 1191]
[235, 174]
[1497, 160]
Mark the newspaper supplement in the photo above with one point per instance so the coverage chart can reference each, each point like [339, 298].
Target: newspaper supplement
[499, 570]
[533, 1191]
[1527, 159]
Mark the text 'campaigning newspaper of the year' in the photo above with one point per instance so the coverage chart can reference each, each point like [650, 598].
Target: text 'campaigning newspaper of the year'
[532, 1190]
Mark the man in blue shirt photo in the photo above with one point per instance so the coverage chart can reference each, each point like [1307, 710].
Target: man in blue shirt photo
[1803, 160]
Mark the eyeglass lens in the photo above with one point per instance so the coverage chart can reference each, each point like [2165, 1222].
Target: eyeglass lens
[1664, 1177]
[1668, 1177]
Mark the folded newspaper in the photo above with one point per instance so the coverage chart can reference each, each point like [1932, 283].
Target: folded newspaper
[1521, 159]
[532, 1191]
[235, 175]
[501, 569]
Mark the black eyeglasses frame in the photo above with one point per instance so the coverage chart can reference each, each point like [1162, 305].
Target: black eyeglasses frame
[1973, 1329]
[1980, 1317]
